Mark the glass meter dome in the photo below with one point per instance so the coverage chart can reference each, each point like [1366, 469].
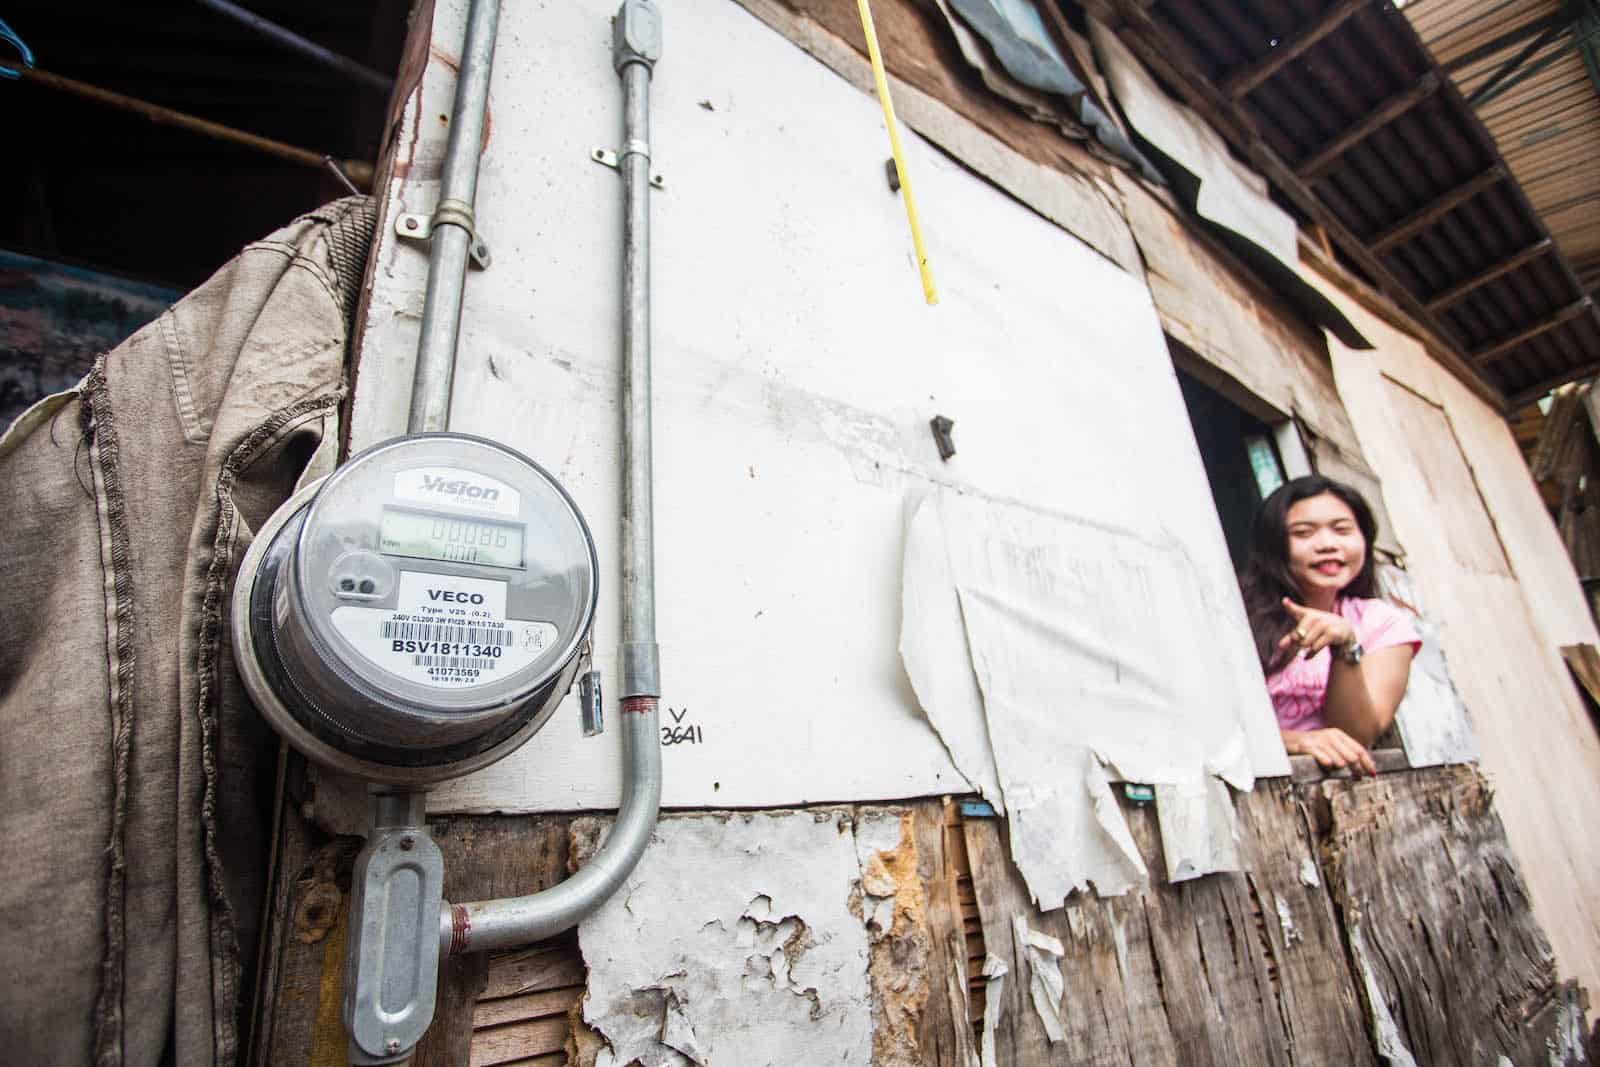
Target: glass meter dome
[419, 612]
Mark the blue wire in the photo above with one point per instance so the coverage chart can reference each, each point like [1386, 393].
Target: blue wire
[8, 35]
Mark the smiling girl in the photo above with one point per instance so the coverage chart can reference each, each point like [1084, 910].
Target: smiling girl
[1337, 658]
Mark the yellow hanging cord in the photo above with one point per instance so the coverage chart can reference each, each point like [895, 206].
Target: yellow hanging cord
[882, 79]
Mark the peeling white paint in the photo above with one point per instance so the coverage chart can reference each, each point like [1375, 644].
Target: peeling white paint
[1291, 932]
[1045, 983]
[1308, 873]
[877, 832]
[994, 973]
[732, 942]
[1385, 1032]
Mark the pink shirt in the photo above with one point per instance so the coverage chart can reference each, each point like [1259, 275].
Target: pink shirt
[1298, 691]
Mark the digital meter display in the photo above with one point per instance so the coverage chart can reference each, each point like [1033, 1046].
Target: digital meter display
[451, 539]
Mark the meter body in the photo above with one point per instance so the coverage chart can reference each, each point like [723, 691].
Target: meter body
[420, 612]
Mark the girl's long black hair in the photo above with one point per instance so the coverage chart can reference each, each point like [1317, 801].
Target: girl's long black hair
[1266, 579]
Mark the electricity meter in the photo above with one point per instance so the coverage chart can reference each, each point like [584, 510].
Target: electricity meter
[420, 612]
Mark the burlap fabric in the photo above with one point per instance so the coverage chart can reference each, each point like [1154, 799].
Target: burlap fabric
[135, 777]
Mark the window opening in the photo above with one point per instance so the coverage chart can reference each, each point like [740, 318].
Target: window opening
[1241, 460]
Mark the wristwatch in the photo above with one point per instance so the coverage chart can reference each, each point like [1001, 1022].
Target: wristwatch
[1350, 653]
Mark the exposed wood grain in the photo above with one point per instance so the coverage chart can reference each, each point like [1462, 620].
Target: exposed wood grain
[308, 896]
[448, 1042]
[525, 1006]
[1019, 1036]
[511, 1042]
[1420, 865]
[1248, 77]
[487, 857]
[1201, 972]
[945, 1036]
[1308, 974]
[1584, 661]
[531, 970]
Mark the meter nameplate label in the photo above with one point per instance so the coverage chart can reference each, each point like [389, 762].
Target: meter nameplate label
[456, 487]
[445, 631]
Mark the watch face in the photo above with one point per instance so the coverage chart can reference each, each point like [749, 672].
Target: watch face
[1351, 653]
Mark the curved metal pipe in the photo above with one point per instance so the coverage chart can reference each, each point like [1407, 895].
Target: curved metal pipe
[515, 921]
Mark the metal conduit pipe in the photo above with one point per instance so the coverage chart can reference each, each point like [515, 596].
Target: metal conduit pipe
[514, 921]
[454, 227]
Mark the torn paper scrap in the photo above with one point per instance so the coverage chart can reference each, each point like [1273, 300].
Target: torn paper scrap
[677, 1033]
[1385, 1032]
[994, 973]
[1308, 873]
[933, 647]
[733, 942]
[1291, 932]
[1199, 830]
[1045, 983]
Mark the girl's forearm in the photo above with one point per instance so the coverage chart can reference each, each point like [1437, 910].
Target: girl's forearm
[1350, 705]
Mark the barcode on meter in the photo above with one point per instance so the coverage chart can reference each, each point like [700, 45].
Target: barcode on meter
[454, 662]
[438, 631]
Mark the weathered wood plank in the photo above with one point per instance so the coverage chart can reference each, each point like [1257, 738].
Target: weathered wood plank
[525, 1006]
[448, 1042]
[1307, 971]
[945, 1036]
[300, 986]
[1440, 919]
[1019, 1036]
[1229, 968]
[518, 1041]
[487, 857]
[531, 970]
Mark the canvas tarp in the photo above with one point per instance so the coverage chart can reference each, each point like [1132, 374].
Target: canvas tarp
[133, 767]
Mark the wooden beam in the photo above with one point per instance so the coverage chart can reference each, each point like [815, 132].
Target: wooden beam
[1489, 353]
[1482, 278]
[1386, 113]
[1246, 78]
[1432, 212]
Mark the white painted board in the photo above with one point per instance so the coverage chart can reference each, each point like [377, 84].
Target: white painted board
[796, 369]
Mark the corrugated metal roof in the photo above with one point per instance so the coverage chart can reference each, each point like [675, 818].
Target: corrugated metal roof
[1383, 138]
[1548, 126]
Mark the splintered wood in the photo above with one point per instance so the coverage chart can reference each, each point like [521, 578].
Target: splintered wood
[1440, 920]
[1373, 921]
[1230, 968]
